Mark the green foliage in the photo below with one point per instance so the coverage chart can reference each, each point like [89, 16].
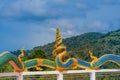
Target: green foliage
[37, 53]
[6, 68]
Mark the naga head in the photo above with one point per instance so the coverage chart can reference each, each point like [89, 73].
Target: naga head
[22, 52]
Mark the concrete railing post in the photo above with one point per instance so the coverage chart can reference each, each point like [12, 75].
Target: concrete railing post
[20, 77]
[92, 75]
[60, 76]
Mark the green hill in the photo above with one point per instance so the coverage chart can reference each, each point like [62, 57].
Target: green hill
[79, 46]
[72, 43]
[98, 43]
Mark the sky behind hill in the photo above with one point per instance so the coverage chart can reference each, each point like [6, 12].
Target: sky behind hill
[30, 23]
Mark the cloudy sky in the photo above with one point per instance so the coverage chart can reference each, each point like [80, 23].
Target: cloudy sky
[30, 23]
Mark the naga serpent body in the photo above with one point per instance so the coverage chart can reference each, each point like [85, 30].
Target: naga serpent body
[16, 64]
[60, 63]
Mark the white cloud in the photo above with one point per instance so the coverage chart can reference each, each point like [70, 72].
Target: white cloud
[16, 8]
[97, 26]
[75, 26]
[54, 8]
[60, 1]
[53, 29]
[81, 5]
[110, 1]
[65, 26]
[62, 23]
[68, 33]
[36, 7]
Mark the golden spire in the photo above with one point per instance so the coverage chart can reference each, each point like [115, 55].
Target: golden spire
[58, 41]
[58, 37]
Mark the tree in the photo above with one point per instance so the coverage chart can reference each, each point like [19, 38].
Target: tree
[37, 53]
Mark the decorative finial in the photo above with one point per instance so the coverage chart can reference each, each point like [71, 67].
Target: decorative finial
[58, 42]
[58, 36]
[22, 52]
[94, 58]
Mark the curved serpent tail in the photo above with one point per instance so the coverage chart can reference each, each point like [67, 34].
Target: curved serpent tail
[107, 58]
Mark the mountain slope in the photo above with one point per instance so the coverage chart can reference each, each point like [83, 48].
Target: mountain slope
[72, 43]
[78, 46]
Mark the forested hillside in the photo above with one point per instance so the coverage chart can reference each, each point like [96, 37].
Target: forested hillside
[75, 43]
[98, 43]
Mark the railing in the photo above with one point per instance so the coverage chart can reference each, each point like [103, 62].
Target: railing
[60, 75]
